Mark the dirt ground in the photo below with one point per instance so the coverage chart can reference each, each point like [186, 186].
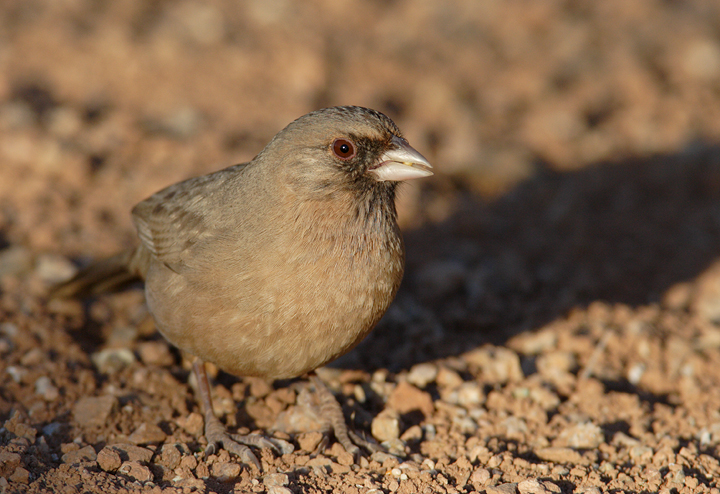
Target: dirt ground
[558, 328]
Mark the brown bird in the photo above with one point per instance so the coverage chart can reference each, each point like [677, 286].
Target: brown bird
[278, 266]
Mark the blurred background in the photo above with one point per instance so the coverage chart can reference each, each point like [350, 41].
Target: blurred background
[562, 265]
[573, 140]
[102, 103]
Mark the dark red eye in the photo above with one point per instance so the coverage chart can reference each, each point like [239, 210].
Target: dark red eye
[343, 149]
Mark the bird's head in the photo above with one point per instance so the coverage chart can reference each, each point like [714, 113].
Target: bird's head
[346, 147]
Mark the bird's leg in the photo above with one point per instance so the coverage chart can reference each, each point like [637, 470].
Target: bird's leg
[334, 419]
[215, 432]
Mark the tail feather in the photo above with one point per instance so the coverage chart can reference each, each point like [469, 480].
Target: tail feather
[102, 276]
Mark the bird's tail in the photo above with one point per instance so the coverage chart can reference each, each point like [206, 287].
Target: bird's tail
[103, 276]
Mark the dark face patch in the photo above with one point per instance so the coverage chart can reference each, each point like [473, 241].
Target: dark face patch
[367, 153]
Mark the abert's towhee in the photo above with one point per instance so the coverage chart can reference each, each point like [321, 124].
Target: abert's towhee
[278, 266]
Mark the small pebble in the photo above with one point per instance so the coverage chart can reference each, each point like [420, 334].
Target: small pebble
[54, 269]
[17, 425]
[136, 471]
[147, 434]
[422, 374]
[84, 454]
[33, 357]
[381, 457]
[63, 121]
[480, 476]
[413, 433]
[189, 462]
[276, 489]
[469, 395]
[581, 436]
[560, 455]
[275, 479]
[641, 454]
[170, 456]
[45, 388]
[155, 353]
[202, 471]
[9, 329]
[407, 398]
[532, 486]
[108, 459]
[190, 484]
[429, 431]
[551, 363]
[544, 397]
[182, 473]
[309, 441]
[448, 378]
[386, 425]
[226, 472]
[510, 488]
[112, 360]
[395, 447]
[622, 439]
[496, 364]
[635, 373]
[259, 388]
[193, 423]
[20, 475]
[52, 428]
[345, 458]
[8, 462]
[5, 345]
[534, 343]
[15, 261]
[132, 453]
[16, 373]
[465, 425]
[480, 453]
[702, 59]
[93, 411]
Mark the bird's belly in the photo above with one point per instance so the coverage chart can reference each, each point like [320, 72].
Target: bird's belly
[275, 324]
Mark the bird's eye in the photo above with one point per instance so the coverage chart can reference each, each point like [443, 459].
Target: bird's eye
[343, 149]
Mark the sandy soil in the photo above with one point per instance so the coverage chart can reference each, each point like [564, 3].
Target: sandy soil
[558, 329]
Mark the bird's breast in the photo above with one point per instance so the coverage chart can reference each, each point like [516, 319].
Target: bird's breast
[309, 297]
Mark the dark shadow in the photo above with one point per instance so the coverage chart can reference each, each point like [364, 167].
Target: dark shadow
[622, 233]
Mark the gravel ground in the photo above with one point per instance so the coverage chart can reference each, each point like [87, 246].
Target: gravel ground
[558, 329]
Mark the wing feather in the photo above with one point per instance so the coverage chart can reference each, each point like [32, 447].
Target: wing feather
[176, 220]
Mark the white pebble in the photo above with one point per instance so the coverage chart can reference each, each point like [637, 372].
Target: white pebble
[17, 373]
[422, 374]
[45, 388]
[635, 373]
[469, 394]
[54, 269]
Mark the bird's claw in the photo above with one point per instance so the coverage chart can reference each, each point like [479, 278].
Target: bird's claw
[358, 440]
[232, 444]
[334, 421]
[280, 446]
[238, 444]
[353, 443]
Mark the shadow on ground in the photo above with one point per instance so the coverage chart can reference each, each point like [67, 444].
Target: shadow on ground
[621, 233]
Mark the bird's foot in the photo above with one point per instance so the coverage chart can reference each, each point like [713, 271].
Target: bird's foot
[334, 420]
[216, 435]
[238, 444]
